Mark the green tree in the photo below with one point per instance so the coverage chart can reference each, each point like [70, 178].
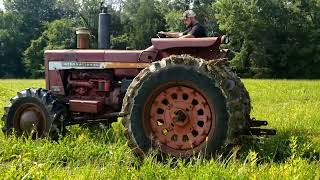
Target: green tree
[34, 13]
[143, 24]
[120, 41]
[20, 23]
[173, 21]
[11, 49]
[59, 34]
[275, 38]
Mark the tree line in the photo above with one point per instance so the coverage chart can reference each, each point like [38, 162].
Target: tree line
[271, 39]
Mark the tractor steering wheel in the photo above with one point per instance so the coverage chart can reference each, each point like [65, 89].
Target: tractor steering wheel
[161, 35]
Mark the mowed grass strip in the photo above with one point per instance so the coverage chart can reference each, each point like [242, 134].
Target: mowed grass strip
[292, 107]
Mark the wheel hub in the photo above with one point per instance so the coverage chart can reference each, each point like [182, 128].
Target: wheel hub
[29, 118]
[180, 118]
[28, 121]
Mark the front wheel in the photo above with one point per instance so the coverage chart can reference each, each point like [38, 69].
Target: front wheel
[35, 113]
[181, 108]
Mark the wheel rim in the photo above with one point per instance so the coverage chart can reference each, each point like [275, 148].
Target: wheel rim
[29, 118]
[180, 119]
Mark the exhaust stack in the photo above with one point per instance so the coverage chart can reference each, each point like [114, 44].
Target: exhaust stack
[104, 28]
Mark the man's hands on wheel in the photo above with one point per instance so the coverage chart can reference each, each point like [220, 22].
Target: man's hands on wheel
[162, 34]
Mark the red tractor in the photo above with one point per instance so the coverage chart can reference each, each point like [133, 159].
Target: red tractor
[177, 96]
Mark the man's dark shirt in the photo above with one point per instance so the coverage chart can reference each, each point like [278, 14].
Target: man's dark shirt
[196, 30]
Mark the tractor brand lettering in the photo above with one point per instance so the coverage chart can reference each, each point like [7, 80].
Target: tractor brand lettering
[80, 64]
[61, 65]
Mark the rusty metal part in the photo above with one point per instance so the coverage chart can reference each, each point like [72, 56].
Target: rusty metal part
[181, 118]
[80, 83]
[253, 131]
[95, 118]
[89, 84]
[78, 105]
[83, 38]
[29, 117]
[257, 123]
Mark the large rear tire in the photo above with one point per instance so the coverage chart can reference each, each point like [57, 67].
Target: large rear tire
[35, 113]
[183, 106]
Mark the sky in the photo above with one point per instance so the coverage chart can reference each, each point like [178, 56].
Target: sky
[1, 4]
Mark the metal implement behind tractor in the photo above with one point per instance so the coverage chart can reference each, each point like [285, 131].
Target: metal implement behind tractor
[177, 96]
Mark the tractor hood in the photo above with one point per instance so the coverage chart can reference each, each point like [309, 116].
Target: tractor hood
[167, 43]
[85, 55]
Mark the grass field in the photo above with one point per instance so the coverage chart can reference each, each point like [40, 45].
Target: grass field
[292, 107]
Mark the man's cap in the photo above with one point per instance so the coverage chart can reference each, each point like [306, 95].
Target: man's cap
[189, 13]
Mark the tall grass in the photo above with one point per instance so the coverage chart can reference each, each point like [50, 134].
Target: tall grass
[292, 107]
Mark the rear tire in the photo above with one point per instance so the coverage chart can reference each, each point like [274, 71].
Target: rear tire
[183, 127]
[35, 113]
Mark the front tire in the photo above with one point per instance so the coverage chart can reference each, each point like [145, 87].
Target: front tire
[183, 106]
[35, 113]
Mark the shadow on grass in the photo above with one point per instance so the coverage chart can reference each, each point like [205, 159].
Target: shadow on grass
[278, 149]
[285, 144]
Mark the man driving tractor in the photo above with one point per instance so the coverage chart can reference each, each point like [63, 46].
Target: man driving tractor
[194, 29]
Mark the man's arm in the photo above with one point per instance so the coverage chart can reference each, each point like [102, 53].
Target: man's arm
[171, 34]
[187, 36]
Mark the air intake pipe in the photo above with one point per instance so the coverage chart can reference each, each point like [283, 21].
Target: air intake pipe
[83, 38]
[104, 28]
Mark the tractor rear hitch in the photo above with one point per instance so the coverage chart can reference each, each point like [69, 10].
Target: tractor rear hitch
[260, 132]
[257, 123]
[253, 131]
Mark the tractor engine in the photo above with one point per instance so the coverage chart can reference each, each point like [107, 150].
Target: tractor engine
[87, 84]
[94, 89]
